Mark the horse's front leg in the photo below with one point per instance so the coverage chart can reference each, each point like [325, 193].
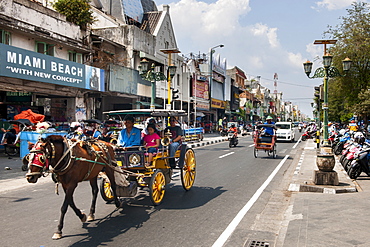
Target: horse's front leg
[68, 200]
[95, 190]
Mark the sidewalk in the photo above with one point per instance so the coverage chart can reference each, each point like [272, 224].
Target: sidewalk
[330, 218]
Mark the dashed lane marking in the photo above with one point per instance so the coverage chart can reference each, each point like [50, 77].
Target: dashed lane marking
[222, 156]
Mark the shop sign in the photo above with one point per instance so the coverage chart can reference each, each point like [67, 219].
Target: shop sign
[28, 65]
[218, 78]
[218, 104]
[201, 78]
[18, 96]
[202, 106]
[201, 89]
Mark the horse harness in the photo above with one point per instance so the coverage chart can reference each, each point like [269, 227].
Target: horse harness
[44, 158]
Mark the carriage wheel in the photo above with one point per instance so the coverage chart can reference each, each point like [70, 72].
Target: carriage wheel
[255, 152]
[106, 190]
[188, 171]
[157, 187]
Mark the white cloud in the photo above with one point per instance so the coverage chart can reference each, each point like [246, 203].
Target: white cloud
[333, 4]
[263, 30]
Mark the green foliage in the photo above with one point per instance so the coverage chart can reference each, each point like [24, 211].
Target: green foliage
[347, 95]
[243, 114]
[76, 11]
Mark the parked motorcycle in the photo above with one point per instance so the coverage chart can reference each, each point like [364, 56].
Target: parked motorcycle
[360, 164]
[233, 139]
[308, 135]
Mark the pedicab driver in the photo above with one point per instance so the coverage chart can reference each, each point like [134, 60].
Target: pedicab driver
[130, 136]
[269, 131]
[175, 141]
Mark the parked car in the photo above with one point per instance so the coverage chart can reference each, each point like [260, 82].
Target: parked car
[285, 131]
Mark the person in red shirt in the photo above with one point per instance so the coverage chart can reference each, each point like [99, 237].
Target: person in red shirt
[235, 129]
[151, 142]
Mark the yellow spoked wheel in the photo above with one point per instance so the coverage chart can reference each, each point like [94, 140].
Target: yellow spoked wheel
[106, 190]
[188, 171]
[157, 187]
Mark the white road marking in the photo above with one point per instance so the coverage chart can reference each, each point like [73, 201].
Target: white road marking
[251, 145]
[225, 155]
[296, 144]
[235, 222]
[175, 174]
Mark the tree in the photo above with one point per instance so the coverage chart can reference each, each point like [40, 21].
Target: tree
[347, 94]
[76, 11]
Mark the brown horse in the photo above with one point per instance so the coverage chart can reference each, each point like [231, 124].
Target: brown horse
[72, 161]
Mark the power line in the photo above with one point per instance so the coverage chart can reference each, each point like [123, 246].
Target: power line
[288, 83]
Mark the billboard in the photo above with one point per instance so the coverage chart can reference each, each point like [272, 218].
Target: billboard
[28, 65]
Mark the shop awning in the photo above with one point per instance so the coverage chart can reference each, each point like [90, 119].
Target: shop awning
[147, 103]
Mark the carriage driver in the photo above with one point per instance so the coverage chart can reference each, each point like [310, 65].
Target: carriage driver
[175, 141]
[130, 136]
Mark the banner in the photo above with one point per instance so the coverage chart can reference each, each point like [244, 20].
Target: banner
[28, 65]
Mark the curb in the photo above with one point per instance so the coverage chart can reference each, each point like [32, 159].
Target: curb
[204, 143]
[319, 189]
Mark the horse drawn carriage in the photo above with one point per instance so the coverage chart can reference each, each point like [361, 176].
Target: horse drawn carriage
[263, 141]
[73, 161]
[155, 176]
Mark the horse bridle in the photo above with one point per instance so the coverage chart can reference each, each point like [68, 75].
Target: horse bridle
[44, 158]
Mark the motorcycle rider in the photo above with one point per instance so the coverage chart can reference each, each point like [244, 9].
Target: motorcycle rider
[235, 129]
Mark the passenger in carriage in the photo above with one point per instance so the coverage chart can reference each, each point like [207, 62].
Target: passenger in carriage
[176, 135]
[130, 136]
[151, 142]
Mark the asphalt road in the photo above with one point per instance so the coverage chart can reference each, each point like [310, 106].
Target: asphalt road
[228, 180]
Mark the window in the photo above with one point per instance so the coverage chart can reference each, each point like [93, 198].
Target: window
[5, 37]
[44, 48]
[75, 57]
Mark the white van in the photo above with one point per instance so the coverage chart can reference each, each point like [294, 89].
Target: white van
[285, 131]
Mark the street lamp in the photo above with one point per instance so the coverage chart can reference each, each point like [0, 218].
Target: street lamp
[326, 72]
[170, 72]
[152, 76]
[211, 51]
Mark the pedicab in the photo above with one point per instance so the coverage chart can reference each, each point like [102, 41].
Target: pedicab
[13, 149]
[263, 141]
[157, 174]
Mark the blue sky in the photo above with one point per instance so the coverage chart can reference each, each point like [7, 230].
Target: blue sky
[262, 37]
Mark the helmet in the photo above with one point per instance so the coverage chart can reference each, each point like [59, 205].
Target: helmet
[269, 118]
[359, 138]
[329, 124]
[232, 125]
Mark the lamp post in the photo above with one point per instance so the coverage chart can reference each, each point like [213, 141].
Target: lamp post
[326, 72]
[152, 76]
[170, 72]
[211, 51]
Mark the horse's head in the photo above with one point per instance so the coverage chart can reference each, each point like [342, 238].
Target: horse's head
[39, 158]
